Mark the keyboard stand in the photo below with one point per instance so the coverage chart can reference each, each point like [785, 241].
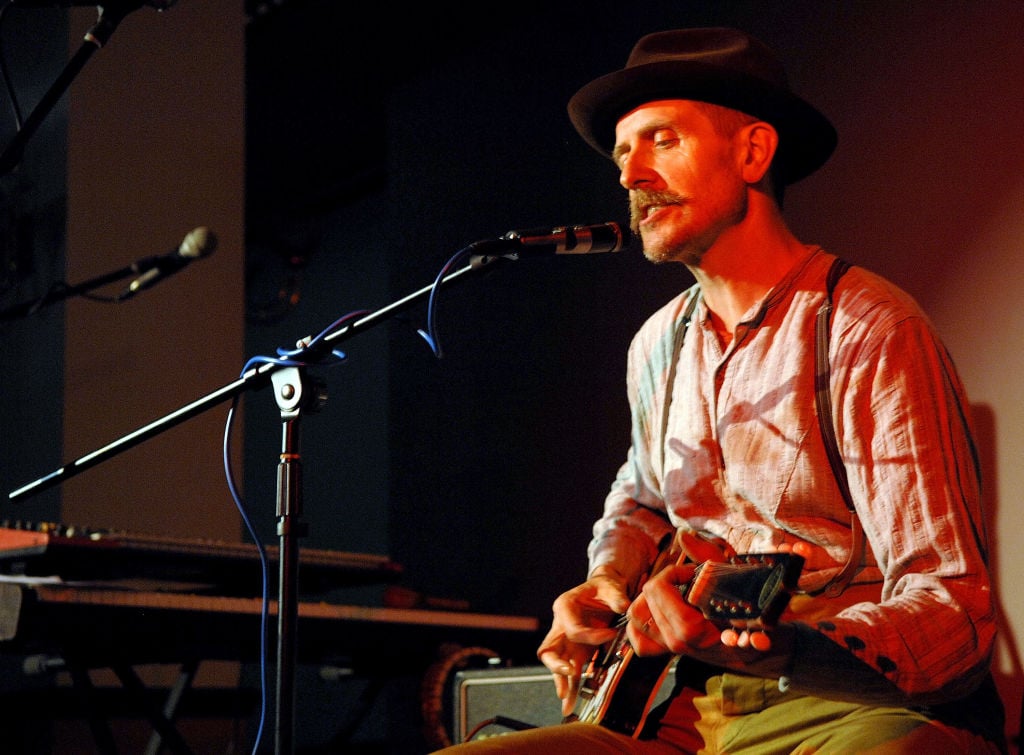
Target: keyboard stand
[183, 683]
[162, 721]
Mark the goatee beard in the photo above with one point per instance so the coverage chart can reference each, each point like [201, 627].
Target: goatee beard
[639, 200]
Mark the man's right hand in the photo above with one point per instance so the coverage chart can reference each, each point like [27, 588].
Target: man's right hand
[583, 619]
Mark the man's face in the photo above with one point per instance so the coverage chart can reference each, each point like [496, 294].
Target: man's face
[683, 176]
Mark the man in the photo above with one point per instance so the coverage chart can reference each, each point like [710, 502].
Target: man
[885, 640]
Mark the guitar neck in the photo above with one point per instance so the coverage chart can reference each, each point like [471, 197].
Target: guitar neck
[751, 589]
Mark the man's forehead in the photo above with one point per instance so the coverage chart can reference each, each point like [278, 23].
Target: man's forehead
[675, 109]
[660, 113]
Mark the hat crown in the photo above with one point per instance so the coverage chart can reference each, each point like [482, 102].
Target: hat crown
[727, 49]
[721, 66]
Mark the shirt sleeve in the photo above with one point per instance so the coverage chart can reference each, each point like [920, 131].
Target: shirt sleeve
[905, 433]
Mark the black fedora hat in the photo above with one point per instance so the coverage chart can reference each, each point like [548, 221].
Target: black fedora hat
[720, 66]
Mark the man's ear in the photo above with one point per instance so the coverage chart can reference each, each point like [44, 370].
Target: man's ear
[758, 142]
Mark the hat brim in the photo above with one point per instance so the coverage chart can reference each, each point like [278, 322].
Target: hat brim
[806, 137]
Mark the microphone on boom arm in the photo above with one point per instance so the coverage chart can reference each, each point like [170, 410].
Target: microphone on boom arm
[200, 242]
[542, 242]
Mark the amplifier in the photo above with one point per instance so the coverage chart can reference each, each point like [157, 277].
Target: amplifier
[523, 695]
[522, 698]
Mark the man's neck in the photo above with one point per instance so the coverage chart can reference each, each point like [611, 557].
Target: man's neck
[746, 262]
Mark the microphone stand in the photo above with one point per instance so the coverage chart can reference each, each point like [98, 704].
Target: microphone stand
[95, 38]
[293, 396]
[60, 292]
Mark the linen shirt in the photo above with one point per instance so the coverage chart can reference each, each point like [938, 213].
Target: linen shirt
[727, 442]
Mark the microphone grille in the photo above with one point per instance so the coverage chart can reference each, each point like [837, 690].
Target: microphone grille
[200, 242]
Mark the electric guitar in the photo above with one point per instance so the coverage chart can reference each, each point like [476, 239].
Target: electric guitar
[747, 590]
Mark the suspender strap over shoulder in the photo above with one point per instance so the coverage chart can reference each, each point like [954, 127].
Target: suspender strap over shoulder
[822, 395]
[677, 347]
[823, 401]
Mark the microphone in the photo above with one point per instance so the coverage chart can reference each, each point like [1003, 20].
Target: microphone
[201, 242]
[577, 239]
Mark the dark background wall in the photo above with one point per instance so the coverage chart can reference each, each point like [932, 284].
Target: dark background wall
[482, 471]
[33, 204]
[373, 151]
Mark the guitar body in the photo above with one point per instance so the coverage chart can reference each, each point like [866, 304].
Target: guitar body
[619, 688]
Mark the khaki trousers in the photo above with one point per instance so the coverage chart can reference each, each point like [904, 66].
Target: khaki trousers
[740, 715]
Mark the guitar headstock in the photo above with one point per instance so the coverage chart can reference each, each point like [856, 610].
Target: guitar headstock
[750, 590]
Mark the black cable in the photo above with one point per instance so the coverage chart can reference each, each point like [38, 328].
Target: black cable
[508, 723]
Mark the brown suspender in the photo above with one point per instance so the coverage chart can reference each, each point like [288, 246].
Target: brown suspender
[823, 401]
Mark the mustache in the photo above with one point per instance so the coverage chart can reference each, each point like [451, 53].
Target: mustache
[641, 198]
